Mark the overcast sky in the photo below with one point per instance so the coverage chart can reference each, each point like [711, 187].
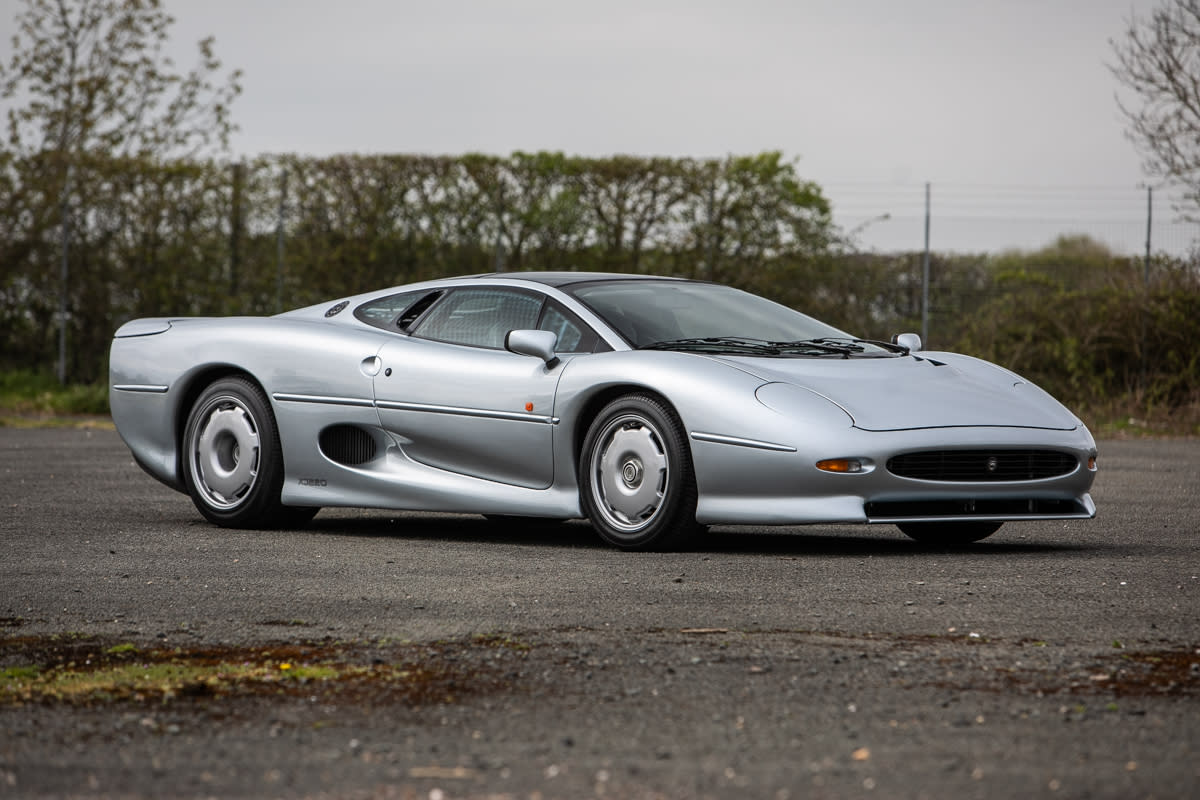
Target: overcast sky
[1007, 108]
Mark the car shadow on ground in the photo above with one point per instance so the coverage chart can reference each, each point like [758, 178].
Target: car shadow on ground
[466, 528]
[816, 540]
[877, 540]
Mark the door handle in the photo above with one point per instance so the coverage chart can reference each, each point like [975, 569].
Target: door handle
[370, 366]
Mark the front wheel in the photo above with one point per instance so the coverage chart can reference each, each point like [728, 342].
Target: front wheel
[232, 460]
[949, 532]
[637, 485]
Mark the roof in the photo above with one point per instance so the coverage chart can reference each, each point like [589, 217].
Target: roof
[565, 278]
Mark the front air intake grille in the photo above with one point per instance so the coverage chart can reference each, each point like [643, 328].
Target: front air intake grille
[982, 465]
[995, 507]
[347, 444]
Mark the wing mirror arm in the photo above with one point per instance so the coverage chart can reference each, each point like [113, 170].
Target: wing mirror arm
[539, 344]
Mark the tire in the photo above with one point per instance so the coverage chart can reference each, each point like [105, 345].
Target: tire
[949, 532]
[636, 481]
[232, 461]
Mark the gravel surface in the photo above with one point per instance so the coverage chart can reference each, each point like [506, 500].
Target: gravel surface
[1054, 659]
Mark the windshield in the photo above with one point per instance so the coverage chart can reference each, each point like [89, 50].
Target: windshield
[679, 315]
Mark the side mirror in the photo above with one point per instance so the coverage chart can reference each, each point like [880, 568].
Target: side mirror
[539, 344]
[911, 341]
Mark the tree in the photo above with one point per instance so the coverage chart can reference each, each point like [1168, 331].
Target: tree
[89, 86]
[631, 200]
[743, 212]
[1159, 60]
[93, 76]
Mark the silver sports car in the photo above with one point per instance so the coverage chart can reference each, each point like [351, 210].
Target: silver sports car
[651, 406]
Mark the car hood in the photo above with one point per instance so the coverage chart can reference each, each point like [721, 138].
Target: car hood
[933, 390]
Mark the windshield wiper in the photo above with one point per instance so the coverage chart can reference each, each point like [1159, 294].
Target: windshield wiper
[839, 347]
[826, 346]
[844, 345]
[890, 346]
[716, 344]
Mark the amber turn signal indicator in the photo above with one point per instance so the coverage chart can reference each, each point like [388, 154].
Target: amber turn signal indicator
[840, 465]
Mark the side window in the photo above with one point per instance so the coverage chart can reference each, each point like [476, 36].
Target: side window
[573, 335]
[384, 312]
[480, 317]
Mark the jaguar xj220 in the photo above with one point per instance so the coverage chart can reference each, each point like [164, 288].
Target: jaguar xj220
[651, 406]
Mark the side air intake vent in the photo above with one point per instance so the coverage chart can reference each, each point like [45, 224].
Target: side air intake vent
[347, 444]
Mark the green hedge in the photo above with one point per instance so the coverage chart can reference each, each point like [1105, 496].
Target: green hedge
[203, 238]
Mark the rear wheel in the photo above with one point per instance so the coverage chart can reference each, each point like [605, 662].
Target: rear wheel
[949, 532]
[232, 460]
[636, 484]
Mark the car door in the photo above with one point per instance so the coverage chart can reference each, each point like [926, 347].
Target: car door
[457, 400]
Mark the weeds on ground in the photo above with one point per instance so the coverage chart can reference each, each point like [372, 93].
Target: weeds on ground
[27, 393]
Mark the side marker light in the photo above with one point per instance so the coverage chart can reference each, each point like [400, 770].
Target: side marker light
[840, 465]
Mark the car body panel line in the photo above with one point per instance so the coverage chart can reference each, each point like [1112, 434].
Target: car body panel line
[146, 388]
[737, 441]
[512, 416]
[952, 427]
[355, 402]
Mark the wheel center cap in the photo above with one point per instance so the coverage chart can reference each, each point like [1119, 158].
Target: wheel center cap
[631, 473]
